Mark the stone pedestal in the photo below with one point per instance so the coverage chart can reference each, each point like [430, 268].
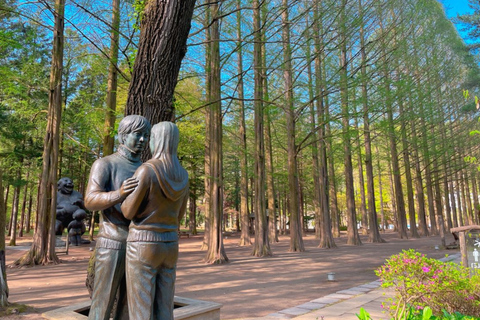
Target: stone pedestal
[185, 309]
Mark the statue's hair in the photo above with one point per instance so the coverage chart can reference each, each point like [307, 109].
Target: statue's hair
[163, 145]
[130, 124]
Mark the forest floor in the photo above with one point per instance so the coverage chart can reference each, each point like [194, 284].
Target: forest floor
[247, 286]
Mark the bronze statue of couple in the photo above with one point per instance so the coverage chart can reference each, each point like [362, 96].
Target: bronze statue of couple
[142, 205]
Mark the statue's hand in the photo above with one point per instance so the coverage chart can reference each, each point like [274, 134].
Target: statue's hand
[78, 202]
[128, 186]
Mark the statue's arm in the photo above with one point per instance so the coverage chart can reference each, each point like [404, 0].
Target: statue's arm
[133, 201]
[183, 208]
[96, 197]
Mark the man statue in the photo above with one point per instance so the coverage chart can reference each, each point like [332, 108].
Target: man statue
[109, 184]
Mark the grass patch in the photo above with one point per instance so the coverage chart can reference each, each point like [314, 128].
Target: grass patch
[15, 308]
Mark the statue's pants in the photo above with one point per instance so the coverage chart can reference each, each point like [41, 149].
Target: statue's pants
[151, 270]
[109, 277]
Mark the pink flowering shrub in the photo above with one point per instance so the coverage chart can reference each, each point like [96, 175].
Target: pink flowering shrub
[420, 281]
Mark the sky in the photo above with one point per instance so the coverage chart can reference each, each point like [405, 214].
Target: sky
[454, 7]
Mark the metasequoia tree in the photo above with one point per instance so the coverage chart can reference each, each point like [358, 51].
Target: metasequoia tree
[163, 35]
[296, 240]
[352, 231]
[43, 245]
[374, 232]
[215, 251]
[3, 271]
[271, 190]
[397, 187]
[244, 214]
[320, 148]
[261, 245]
[111, 107]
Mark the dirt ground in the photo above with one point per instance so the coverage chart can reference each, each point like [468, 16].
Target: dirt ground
[247, 286]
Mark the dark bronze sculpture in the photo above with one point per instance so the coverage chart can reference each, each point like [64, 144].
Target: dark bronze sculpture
[155, 207]
[109, 184]
[69, 202]
[76, 228]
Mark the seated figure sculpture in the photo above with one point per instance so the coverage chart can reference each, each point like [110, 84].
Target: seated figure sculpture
[69, 202]
[76, 228]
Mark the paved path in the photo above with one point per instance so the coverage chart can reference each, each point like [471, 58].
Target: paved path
[284, 286]
[345, 304]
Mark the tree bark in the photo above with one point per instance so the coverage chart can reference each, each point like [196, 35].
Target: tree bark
[296, 240]
[353, 237]
[111, 107]
[43, 245]
[163, 36]
[244, 213]
[16, 200]
[261, 246]
[3, 270]
[320, 148]
[374, 233]
[216, 252]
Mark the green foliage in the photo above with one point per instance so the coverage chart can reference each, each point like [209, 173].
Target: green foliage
[422, 314]
[139, 7]
[420, 282]
[364, 315]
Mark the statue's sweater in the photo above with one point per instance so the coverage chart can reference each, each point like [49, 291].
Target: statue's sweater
[156, 205]
[106, 177]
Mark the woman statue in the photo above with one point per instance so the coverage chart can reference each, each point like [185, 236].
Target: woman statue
[155, 209]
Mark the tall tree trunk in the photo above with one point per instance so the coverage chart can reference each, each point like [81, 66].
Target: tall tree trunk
[163, 36]
[3, 270]
[392, 195]
[16, 200]
[397, 178]
[475, 198]
[361, 182]
[244, 213]
[453, 202]
[261, 246]
[296, 239]
[271, 190]
[380, 191]
[313, 127]
[353, 237]
[43, 245]
[408, 173]
[326, 235]
[461, 198]
[468, 197]
[111, 107]
[24, 205]
[420, 195]
[216, 251]
[374, 233]
[208, 120]
[428, 173]
[29, 211]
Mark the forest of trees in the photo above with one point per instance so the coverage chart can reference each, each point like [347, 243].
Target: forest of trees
[355, 115]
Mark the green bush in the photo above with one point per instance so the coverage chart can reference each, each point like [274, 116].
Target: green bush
[424, 314]
[446, 288]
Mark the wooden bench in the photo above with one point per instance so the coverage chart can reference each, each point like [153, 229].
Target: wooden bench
[183, 233]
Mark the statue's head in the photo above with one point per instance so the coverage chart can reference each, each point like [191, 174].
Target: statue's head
[133, 132]
[164, 139]
[65, 185]
[79, 215]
